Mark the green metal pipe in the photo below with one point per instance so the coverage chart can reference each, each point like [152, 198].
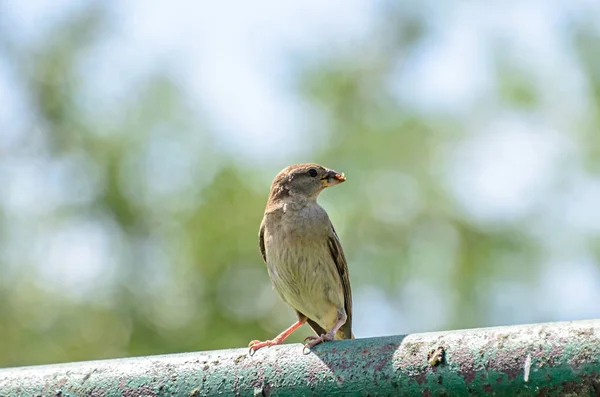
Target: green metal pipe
[552, 359]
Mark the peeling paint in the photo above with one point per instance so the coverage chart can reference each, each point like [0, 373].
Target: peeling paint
[527, 368]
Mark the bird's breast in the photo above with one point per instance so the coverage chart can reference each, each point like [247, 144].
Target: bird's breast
[300, 264]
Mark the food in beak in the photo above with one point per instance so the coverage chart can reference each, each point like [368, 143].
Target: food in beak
[333, 178]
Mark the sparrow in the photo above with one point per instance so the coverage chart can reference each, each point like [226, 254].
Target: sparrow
[304, 257]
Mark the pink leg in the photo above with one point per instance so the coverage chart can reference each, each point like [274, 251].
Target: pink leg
[255, 344]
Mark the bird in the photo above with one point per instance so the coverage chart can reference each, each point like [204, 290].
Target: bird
[304, 257]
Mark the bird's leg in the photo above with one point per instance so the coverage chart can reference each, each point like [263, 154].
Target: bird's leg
[256, 344]
[315, 340]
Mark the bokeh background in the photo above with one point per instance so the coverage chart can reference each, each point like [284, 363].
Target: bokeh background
[138, 142]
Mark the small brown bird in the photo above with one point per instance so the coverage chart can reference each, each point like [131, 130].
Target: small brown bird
[304, 257]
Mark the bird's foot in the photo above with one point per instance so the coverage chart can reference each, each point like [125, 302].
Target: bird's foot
[315, 340]
[256, 344]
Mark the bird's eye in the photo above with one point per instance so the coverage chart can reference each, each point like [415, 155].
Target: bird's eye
[312, 172]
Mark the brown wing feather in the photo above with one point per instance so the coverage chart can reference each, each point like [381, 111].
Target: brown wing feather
[261, 240]
[337, 253]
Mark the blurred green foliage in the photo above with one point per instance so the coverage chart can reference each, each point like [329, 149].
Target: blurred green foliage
[177, 218]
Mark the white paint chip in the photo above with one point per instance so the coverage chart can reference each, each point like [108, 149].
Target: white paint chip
[527, 368]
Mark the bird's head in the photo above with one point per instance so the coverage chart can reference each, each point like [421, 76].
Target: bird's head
[304, 180]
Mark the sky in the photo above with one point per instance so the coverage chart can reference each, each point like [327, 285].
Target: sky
[252, 44]
[255, 44]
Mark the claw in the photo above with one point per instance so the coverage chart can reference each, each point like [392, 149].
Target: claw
[315, 340]
[311, 337]
[256, 344]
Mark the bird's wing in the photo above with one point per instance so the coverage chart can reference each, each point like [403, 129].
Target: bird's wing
[261, 240]
[337, 253]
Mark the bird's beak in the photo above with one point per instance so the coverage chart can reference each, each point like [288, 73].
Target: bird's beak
[332, 178]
